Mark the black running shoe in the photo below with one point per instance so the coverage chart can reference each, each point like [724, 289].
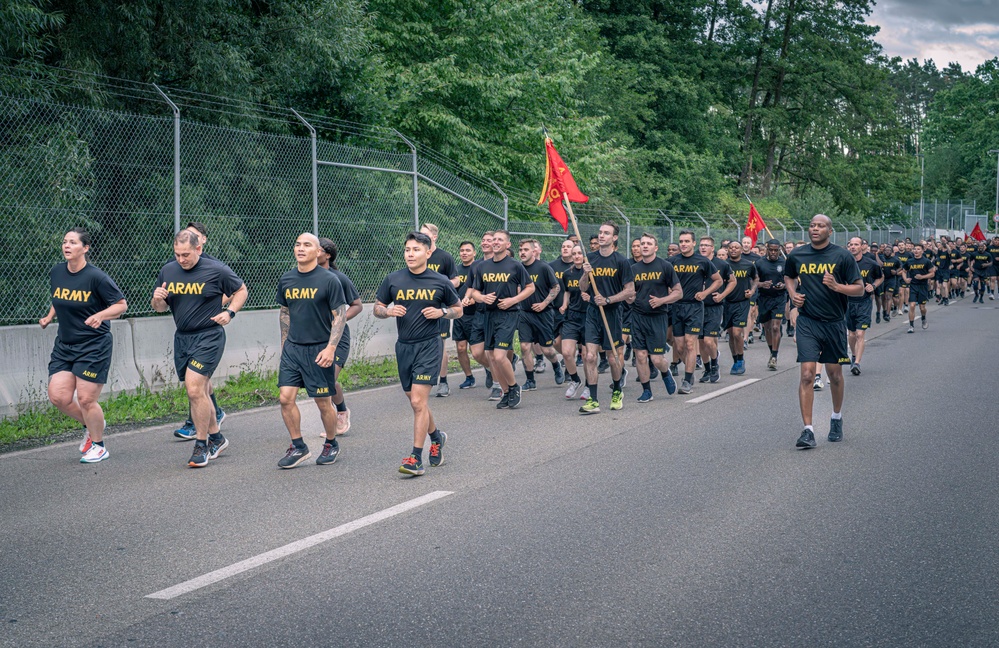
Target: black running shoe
[514, 361]
[505, 401]
[436, 458]
[877, 319]
[627, 352]
[806, 441]
[489, 379]
[530, 385]
[294, 456]
[835, 430]
[855, 369]
[513, 398]
[199, 459]
[559, 370]
[603, 366]
[215, 447]
[653, 372]
[329, 454]
[887, 318]
[705, 377]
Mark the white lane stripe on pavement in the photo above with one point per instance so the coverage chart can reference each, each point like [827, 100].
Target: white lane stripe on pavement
[293, 547]
[722, 392]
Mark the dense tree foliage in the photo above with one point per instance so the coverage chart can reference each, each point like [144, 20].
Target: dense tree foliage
[672, 104]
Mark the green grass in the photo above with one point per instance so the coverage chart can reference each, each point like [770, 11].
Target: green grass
[41, 423]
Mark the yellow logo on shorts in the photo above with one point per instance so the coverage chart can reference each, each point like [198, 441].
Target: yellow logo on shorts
[89, 374]
[504, 345]
[658, 350]
[844, 361]
[323, 390]
[695, 330]
[423, 376]
[197, 365]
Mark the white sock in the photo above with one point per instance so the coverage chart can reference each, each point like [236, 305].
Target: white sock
[809, 428]
[837, 416]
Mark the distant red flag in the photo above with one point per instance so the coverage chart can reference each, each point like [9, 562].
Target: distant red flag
[977, 233]
[559, 183]
[755, 224]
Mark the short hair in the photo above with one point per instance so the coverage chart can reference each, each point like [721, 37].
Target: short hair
[488, 233]
[527, 241]
[774, 241]
[431, 227]
[420, 238]
[594, 237]
[612, 224]
[686, 232]
[464, 243]
[648, 235]
[198, 226]
[187, 238]
[503, 232]
[920, 245]
[83, 234]
[573, 238]
[708, 238]
[329, 247]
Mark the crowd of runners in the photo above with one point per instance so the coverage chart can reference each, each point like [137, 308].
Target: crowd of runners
[589, 312]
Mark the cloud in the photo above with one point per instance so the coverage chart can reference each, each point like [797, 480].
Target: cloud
[962, 31]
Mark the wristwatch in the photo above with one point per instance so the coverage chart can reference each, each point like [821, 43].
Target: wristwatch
[232, 313]
[445, 311]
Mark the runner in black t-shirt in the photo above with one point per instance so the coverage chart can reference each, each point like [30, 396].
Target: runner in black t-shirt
[772, 300]
[750, 254]
[537, 319]
[327, 259]
[609, 282]
[656, 287]
[917, 273]
[819, 278]
[476, 330]
[84, 300]
[419, 297]
[889, 267]
[700, 280]
[193, 288]
[993, 249]
[559, 267]
[737, 305]
[442, 262]
[462, 327]
[981, 263]
[714, 311]
[499, 284]
[941, 278]
[573, 310]
[903, 256]
[858, 314]
[313, 318]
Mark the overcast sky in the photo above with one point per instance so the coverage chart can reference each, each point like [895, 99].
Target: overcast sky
[965, 31]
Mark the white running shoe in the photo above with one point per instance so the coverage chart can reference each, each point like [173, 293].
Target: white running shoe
[94, 454]
[586, 394]
[570, 391]
[818, 384]
[342, 422]
[86, 443]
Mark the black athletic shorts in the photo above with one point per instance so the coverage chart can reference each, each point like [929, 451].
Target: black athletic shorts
[199, 351]
[462, 330]
[477, 331]
[890, 285]
[736, 314]
[559, 319]
[626, 319]
[823, 342]
[771, 307]
[444, 326]
[648, 332]
[713, 314]
[419, 362]
[499, 327]
[596, 332]
[941, 275]
[858, 315]
[537, 327]
[574, 326]
[686, 318]
[299, 369]
[919, 293]
[342, 349]
[89, 360]
[992, 271]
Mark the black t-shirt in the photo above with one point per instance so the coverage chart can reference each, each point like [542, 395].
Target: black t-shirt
[350, 293]
[993, 249]
[980, 259]
[808, 266]
[544, 280]
[752, 256]
[941, 261]
[772, 271]
[442, 262]
[957, 259]
[464, 283]
[505, 278]
[416, 292]
[890, 266]
[903, 258]
[653, 279]
[196, 294]
[77, 296]
[559, 267]
[745, 271]
[694, 272]
[870, 272]
[611, 272]
[570, 280]
[310, 297]
[916, 266]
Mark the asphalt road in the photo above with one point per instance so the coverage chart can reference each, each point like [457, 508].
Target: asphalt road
[670, 523]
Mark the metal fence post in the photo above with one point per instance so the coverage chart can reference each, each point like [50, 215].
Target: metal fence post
[668, 220]
[627, 226]
[706, 225]
[416, 182]
[506, 205]
[315, 173]
[176, 159]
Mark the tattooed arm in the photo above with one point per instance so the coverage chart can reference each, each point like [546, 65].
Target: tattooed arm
[285, 319]
[328, 355]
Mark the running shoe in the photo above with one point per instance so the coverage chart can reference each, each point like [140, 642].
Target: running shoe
[443, 390]
[910, 329]
[186, 431]
[992, 296]
[215, 448]
[699, 364]
[514, 361]
[329, 454]
[342, 422]
[674, 370]
[219, 417]
[705, 377]
[585, 396]
[806, 441]
[818, 384]
[627, 352]
[887, 318]
[686, 387]
[749, 340]
[530, 385]
[646, 396]
[570, 392]
[790, 331]
[772, 364]
[579, 360]
[436, 458]
[489, 379]
[603, 366]
[87, 442]
[738, 368]
[653, 372]
[877, 318]
[670, 383]
[199, 458]
[590, 407]
[94, 454]
[540, 364]
[617, 400]
[496, 393]
[624, 379]
[505, 401]
[714, 373]
[514, 400]
[905, 310]
[835, 430]
[855, 369]
[559, 372]
[412, 465]
[294, 456]
[925, 325]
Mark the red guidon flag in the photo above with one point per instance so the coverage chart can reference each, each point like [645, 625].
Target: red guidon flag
[755, 224]
[559, 185]
[977, 233]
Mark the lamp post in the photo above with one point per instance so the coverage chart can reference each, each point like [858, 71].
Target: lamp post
[922, 166]
[996, 153]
